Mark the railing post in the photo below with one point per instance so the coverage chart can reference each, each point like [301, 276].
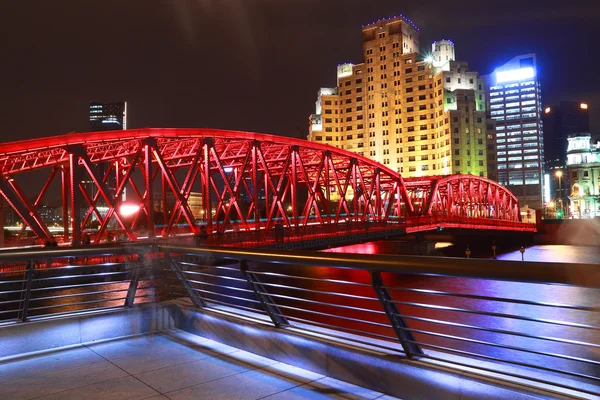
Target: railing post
[26, 294]
[194, 296]
[261, 293]
[398, 323]
[133, 283]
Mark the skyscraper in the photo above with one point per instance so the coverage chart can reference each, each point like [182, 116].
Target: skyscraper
[108, 116]
[418, 114]
[515, 104]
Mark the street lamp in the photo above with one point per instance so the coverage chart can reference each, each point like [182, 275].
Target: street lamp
[559, 175]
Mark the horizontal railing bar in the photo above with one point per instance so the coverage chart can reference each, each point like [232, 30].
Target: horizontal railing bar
[214, 276]
[83, 310]
[70, 252]
[9, 282]
[501, 331]
[12, 291]
[79, 303]
[52, 278]
[310, 279]
[209, 266]
[324, 303]
[495, 314]
[518, 271]
[519, 363]
[77, 294]
[498, 299]
[81, 266]
[350, 296]
[10, 311]
[12, 272]
[361, 321]
[502, 346]
[507, 373]
[350, 330]
[221, 286]
[256, 310]
[10, 301]
[226, 295]
[62, 287]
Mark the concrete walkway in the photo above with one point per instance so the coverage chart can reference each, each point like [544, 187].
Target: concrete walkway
[172, 365]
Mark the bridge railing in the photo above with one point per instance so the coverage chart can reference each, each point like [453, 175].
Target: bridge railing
[522, 320]
[525, 321]
[44, 283]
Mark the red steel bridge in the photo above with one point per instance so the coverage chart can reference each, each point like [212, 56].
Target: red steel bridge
[246, 181]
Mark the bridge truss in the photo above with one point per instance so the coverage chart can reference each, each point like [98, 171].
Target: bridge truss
[179, 180]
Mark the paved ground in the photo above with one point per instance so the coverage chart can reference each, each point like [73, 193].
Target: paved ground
[173, 365]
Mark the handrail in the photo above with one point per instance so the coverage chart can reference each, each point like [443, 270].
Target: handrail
[377, 300]
[585, 275]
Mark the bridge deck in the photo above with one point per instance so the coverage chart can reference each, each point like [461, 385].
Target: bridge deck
[169, 365]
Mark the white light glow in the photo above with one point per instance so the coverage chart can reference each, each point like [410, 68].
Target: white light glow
[547, 197]
[583, 106]
[228, 170]
[128, 209]
[547, 110]
[515, 75]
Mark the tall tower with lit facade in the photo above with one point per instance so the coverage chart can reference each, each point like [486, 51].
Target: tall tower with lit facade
[515, 105]
[420, 115]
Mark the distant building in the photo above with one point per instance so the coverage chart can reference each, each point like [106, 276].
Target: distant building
[108, 116]
[583, 163]
[561, 121]
[420, 115]
[515, 106]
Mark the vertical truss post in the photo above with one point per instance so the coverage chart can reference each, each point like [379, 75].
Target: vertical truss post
[26, 293]
[254, 181]
[294, 185]
[206, 176]
[65, 201]
[261, 293]
[194, 296]
[327, 156]
[149, 200]
[398, 323]
[75, 197]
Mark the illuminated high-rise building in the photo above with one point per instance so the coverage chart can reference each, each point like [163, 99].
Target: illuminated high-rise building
[515, 105]
[420, 115]
[108, 116]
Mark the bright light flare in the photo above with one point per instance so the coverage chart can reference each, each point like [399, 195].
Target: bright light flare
[515, 75]
[129, 209]
[583, 106]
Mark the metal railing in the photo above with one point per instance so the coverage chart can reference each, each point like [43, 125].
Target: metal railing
[523, 320]
[53, 282]
[532, 321]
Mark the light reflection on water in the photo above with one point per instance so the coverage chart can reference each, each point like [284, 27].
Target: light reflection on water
[557, 253]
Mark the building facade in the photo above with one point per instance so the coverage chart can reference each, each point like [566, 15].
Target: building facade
[583, 165]
[108, 116]
[515, 106]
[418, 115]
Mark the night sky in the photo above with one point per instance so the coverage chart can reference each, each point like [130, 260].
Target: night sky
[254, 65]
